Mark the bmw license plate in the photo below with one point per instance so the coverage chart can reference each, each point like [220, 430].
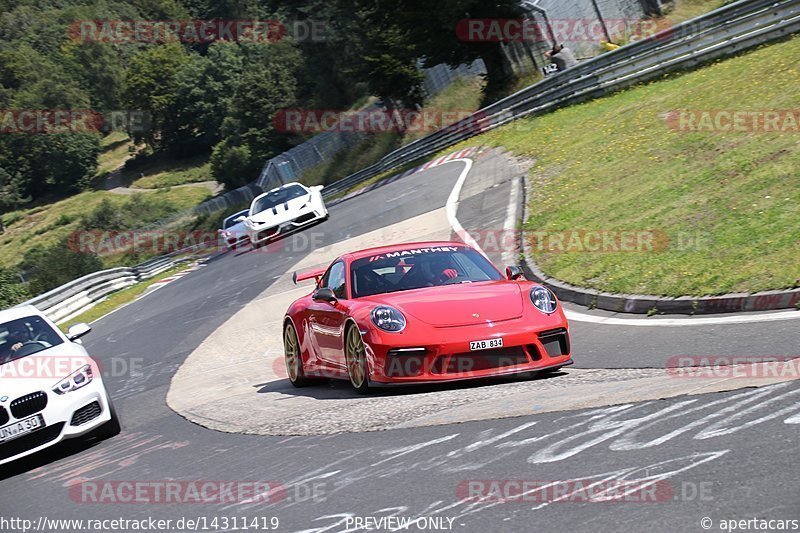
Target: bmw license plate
[23, 427]
[485, 345]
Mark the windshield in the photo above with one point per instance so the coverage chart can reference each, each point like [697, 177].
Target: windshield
[231, 220]
[25, 336]
[414, 269]
[281, 196]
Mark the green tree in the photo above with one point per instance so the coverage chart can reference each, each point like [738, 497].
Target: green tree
[10, 192]
[151, 84]
[50, 164]
[388, 52]
[205, 88]
[393, 34]
[268, 83]
[232, 165]
[100, 69]
[105, 217]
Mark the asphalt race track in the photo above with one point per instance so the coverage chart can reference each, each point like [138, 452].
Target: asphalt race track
[726, 455]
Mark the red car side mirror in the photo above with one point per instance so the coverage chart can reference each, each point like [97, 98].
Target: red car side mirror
[513, 273]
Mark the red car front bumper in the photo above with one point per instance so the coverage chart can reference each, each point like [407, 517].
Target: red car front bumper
[403, 358]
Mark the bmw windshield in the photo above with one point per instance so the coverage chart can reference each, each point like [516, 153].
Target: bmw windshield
[415, 269]
[25, 336]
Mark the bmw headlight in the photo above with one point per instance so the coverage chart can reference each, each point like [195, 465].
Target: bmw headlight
[78, 379]
[544, 300]
[388, 319]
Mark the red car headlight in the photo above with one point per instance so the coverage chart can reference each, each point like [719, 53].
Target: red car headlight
[388, 319]
[544, 300]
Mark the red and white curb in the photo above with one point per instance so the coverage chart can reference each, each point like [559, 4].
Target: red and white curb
[461, 154]
[175, 277]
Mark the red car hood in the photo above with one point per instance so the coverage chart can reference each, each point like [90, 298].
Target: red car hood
[458, 305]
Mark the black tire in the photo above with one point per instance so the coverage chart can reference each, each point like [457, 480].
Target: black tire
[293, 358]
[112, 428]
[356, 358]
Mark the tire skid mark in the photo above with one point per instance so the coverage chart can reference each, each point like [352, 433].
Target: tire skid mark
[108, 458]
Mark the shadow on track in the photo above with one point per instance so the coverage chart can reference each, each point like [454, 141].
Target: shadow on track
[62, 450]
[336, 389]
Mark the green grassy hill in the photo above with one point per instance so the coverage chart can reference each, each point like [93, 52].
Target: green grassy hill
[729, 202]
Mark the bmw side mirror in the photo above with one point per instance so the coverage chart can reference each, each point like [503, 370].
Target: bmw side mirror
[240, 219]
[513, 273]
[77, 331]
[324, 295]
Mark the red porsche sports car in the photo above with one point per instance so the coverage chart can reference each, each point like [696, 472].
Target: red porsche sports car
[417, 313]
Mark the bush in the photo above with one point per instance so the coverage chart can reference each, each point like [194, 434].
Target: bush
[12, 290]
[56, 265]
[105, 217]
[140, 209]
[231, 165]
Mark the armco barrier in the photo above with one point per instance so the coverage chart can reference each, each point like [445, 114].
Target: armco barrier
[720, 33]
[75, 297]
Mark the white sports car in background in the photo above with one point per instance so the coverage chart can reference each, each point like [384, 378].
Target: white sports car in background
[50, 389]
[233, 231]
[284, 209]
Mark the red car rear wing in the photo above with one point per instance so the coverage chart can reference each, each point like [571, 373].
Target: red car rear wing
[303, 276]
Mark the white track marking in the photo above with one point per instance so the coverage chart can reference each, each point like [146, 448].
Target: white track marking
[399, 452]
[452, 208]
[577, 316]
[510, 225]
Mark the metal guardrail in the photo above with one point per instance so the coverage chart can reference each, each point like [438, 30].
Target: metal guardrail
[75, 297]
[720, 33]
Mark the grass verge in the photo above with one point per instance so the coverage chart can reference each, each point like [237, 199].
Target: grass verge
[688, 9]
[45, 225]
[728, 202]
[193, 171]
[114, 151]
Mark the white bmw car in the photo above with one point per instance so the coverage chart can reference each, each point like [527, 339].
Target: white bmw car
[50, 389]
[283, 210]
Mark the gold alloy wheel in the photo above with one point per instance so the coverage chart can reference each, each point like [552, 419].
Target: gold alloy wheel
[356, 356]
[291, 352]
